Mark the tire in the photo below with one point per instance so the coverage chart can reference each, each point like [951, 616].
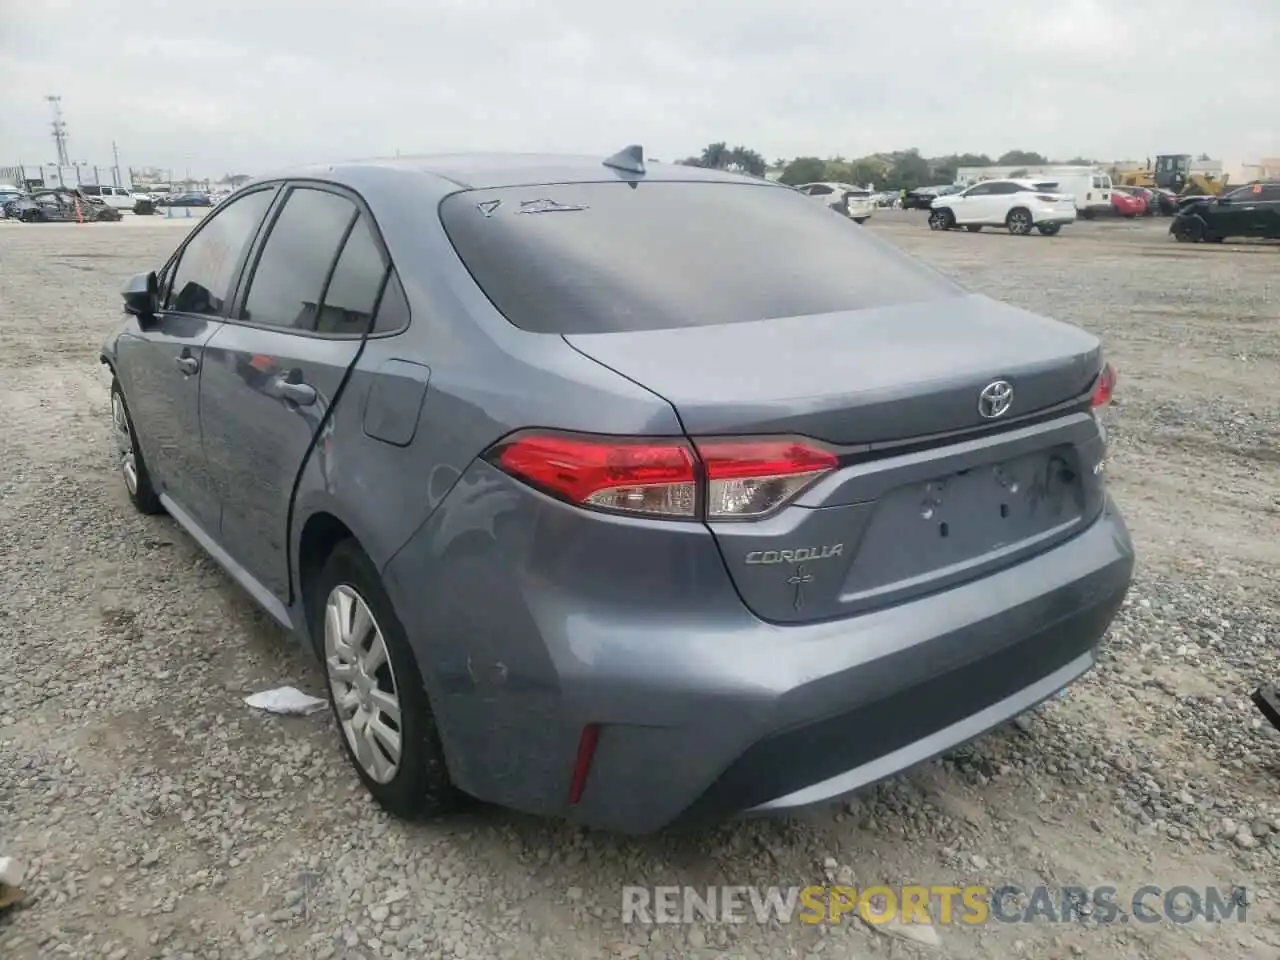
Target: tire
[942, 219]
[1049, 229]
[1087, 214]
[133, 469]
[1019, 221]
[416, 784]
[974, 227]
[1187, 231]
[861, 219]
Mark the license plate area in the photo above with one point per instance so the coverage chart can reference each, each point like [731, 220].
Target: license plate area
[955, 523]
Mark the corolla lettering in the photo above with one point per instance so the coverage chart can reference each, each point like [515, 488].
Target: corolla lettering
[798, 555]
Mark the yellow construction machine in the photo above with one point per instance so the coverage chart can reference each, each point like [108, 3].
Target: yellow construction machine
[1172, 171]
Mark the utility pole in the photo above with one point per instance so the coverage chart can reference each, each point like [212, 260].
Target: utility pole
[115, 155]
[59, 131]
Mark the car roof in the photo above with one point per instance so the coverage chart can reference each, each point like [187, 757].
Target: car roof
[493, 170]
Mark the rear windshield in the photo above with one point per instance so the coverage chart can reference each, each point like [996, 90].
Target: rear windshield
[1046, 185]
[614, 257]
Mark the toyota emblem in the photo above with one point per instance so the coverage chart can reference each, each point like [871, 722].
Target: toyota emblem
[995, 399]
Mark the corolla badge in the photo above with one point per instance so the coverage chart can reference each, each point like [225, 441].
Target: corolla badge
[796, 555]
[995, 399]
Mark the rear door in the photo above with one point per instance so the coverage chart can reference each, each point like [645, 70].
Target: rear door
[275, 370]
[160, 369]
[1265, 217]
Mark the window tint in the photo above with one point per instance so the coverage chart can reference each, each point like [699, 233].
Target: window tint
[289, 278]
[393, 309]
[357, 280]
[1270, 191]
[91, 191]
[1008, 188]
[819, 190]
[981, 190]
[581, 258]
[203, 276]
[1048, 186]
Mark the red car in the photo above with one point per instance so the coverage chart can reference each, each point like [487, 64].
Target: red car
[1127, 204]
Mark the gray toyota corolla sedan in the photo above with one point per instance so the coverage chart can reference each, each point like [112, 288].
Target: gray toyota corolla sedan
[629, 493]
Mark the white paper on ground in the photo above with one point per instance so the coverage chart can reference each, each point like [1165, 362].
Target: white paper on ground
[285, 700]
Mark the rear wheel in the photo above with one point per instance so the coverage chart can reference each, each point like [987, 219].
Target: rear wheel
[974, 227]
[375, 689]
[1187, 231]
[1049, 229]
[861, 219]
[942, 219]
[1019, 221]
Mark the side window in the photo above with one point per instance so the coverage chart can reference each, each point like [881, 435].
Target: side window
[1008, 188]
[91, 191]
[289, 279]
[981, 190]
[393, 308]
[352, 296]
[204, 272]
[819, 190]
[1270, 191]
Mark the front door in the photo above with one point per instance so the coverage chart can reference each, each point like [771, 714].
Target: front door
[272, 373]
[164, 364]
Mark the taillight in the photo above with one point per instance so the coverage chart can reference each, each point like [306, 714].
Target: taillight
[748, 478]
[736, 479]
[655, 477]
[1105, 387]
[1046, 198]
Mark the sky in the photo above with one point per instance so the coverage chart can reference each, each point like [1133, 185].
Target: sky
[245, 86]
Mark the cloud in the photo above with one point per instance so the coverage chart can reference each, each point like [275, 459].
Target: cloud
[253, 85]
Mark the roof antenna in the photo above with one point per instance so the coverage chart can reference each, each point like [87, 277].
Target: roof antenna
[628, 159]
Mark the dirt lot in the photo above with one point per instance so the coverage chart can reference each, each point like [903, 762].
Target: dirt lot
[158, 816]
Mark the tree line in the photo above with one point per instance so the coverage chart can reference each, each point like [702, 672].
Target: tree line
[899, 170]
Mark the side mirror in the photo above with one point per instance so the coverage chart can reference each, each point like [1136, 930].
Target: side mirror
[142, 296]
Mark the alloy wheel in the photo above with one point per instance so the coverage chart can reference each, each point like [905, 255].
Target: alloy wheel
[1019, 223]
[363, 682]
[124, 443]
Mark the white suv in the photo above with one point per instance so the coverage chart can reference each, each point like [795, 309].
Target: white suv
[857, 203]
[1019, 205]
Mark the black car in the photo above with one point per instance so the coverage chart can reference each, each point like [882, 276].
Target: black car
[921, 198]
[194, 199]
[1166, 201]
[1250, 211]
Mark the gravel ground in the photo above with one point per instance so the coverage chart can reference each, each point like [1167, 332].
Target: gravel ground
[158, 816]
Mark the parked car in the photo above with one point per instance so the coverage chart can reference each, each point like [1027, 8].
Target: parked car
[1250, 211]
[119, 198]
[7, 195]
[195, 199]
[1166, 201]
[854, 202]
[922, 198]
[59, 205]
[1126, 203]
[1150, 202]
[1019, 205]
[743, 520]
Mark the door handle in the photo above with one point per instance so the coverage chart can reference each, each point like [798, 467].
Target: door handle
[187, 365]
[303, 394]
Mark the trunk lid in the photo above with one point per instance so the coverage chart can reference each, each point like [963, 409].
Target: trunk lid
[857, 377]
[907, 511]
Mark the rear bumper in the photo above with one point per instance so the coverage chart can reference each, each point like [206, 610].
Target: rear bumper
[705, 711]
